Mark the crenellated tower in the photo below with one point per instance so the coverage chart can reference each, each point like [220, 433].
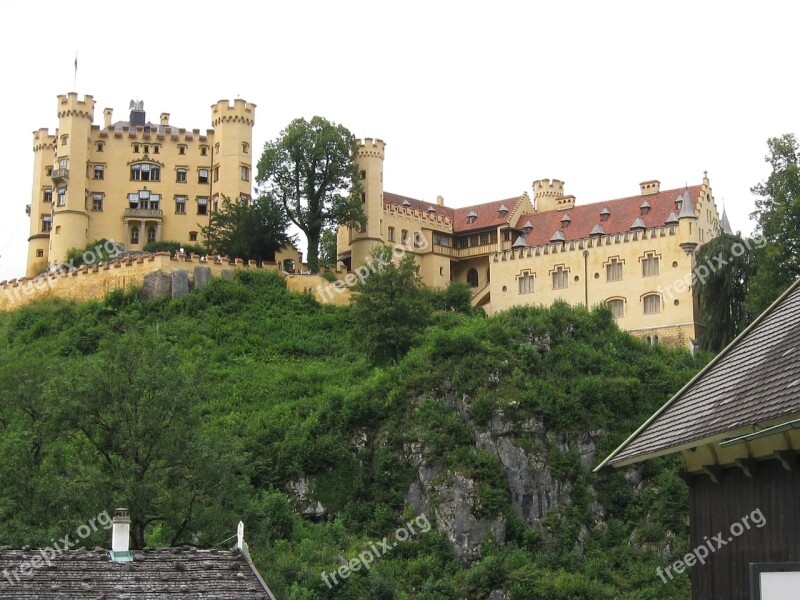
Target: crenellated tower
[232, 157]
[41, 209]
[546, 194]
[70, 225]
[369, 159]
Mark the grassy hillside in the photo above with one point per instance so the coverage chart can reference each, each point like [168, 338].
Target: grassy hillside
[244, 401]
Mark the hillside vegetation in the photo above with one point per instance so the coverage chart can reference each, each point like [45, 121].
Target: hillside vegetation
[243, 401]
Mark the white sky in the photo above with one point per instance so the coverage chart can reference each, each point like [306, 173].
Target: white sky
[475, 101]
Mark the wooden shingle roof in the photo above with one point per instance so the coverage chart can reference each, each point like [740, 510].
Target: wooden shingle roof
[154, 574]
[754, 380]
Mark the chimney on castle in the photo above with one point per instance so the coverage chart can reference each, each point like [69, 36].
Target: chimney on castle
[137, 114]
[121, 531]
[650, 187]
[165, 119]
[107, 112]
[439, 200]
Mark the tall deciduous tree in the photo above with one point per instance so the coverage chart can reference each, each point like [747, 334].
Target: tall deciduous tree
[252, 230]
[311, 170]
[778, 216]
[390, 307]
[727, 269]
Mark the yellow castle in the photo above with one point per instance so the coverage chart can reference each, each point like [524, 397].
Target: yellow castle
[133, 181]
[635, 254]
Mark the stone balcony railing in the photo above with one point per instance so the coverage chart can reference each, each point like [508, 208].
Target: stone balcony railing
[144, 213]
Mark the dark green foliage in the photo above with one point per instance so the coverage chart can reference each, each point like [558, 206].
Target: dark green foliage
[199, 412]
[721, 285]
[248, 230]
[97, 251]
[310, 170]
[173, 247]
[389, 307]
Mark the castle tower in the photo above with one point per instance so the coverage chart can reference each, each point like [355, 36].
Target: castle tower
[232, 152]
[41, 208]
[70, 225]
[546, 193]
[370, 164]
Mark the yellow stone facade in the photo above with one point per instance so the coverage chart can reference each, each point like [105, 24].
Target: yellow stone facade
[133, 181]
[636, 254]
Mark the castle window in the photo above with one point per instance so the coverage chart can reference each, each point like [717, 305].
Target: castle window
[64, 139]
[363, 174]
[244, 199]
[202, 176]
[147, 149]
[216, 173]
[560, 278]
[363, 198]
[440, 239]
[525, 282]
[617, 307]
[245, 173]
[97, 201]
[418, 240]
[39, 253]
[507, 235]
[202, 206]
[245, 147]
[180, 205]
[390, 234]
[47, 223]
[472, 278]
[62, 197]
[404, 237]
[156, 149]
[181, 149]
[614, 270]
[145, 172]
[216, 148]
[48, 195]
[134, 235]
[650, 265]
[48, 171]
[180, 175]
[99, 146]
[151, 234]
[133, 200]
[58, 229]
[652, 304]
[99, 171]
[192, 236]
[136, 148]
[63, 163]
[215, 203]
[203, 150]
[362, 227]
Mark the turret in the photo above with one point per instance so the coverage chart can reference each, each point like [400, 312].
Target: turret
[369, 159]
[687, 223]
[231, 158]
[70, 226]
[546, 194]
[44, 145]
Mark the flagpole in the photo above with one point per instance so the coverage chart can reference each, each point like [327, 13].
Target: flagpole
[75, 78]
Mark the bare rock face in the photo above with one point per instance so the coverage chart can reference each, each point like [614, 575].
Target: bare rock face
[202, 275]
[156, 285]
[180, 284]
[300, 493]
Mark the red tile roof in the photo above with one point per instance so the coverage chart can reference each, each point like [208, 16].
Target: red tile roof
[487, 213]
[624, 212]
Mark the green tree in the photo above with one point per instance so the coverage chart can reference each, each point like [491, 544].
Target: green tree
[778, 216]
[327, 248]
[390, 306]
[310, 169]
[247, 230]
[722, 288]
[173, 247]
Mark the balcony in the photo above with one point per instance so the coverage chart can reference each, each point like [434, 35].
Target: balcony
[144, 213]
[60, 176]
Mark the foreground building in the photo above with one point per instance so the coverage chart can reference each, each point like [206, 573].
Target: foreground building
[132, 181]
[736, 426]
[635, 254]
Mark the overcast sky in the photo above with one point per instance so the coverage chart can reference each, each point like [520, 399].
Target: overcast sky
[475, 101]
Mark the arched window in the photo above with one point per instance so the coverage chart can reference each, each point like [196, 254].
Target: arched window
[617, 306]
[652, 304]
[134, 235]
[151, 234]
[472, 277]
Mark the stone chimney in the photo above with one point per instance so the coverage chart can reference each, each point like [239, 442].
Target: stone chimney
[121, 531]
[650, 187]
[165, 119]
[439, 200]
[107, 112]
